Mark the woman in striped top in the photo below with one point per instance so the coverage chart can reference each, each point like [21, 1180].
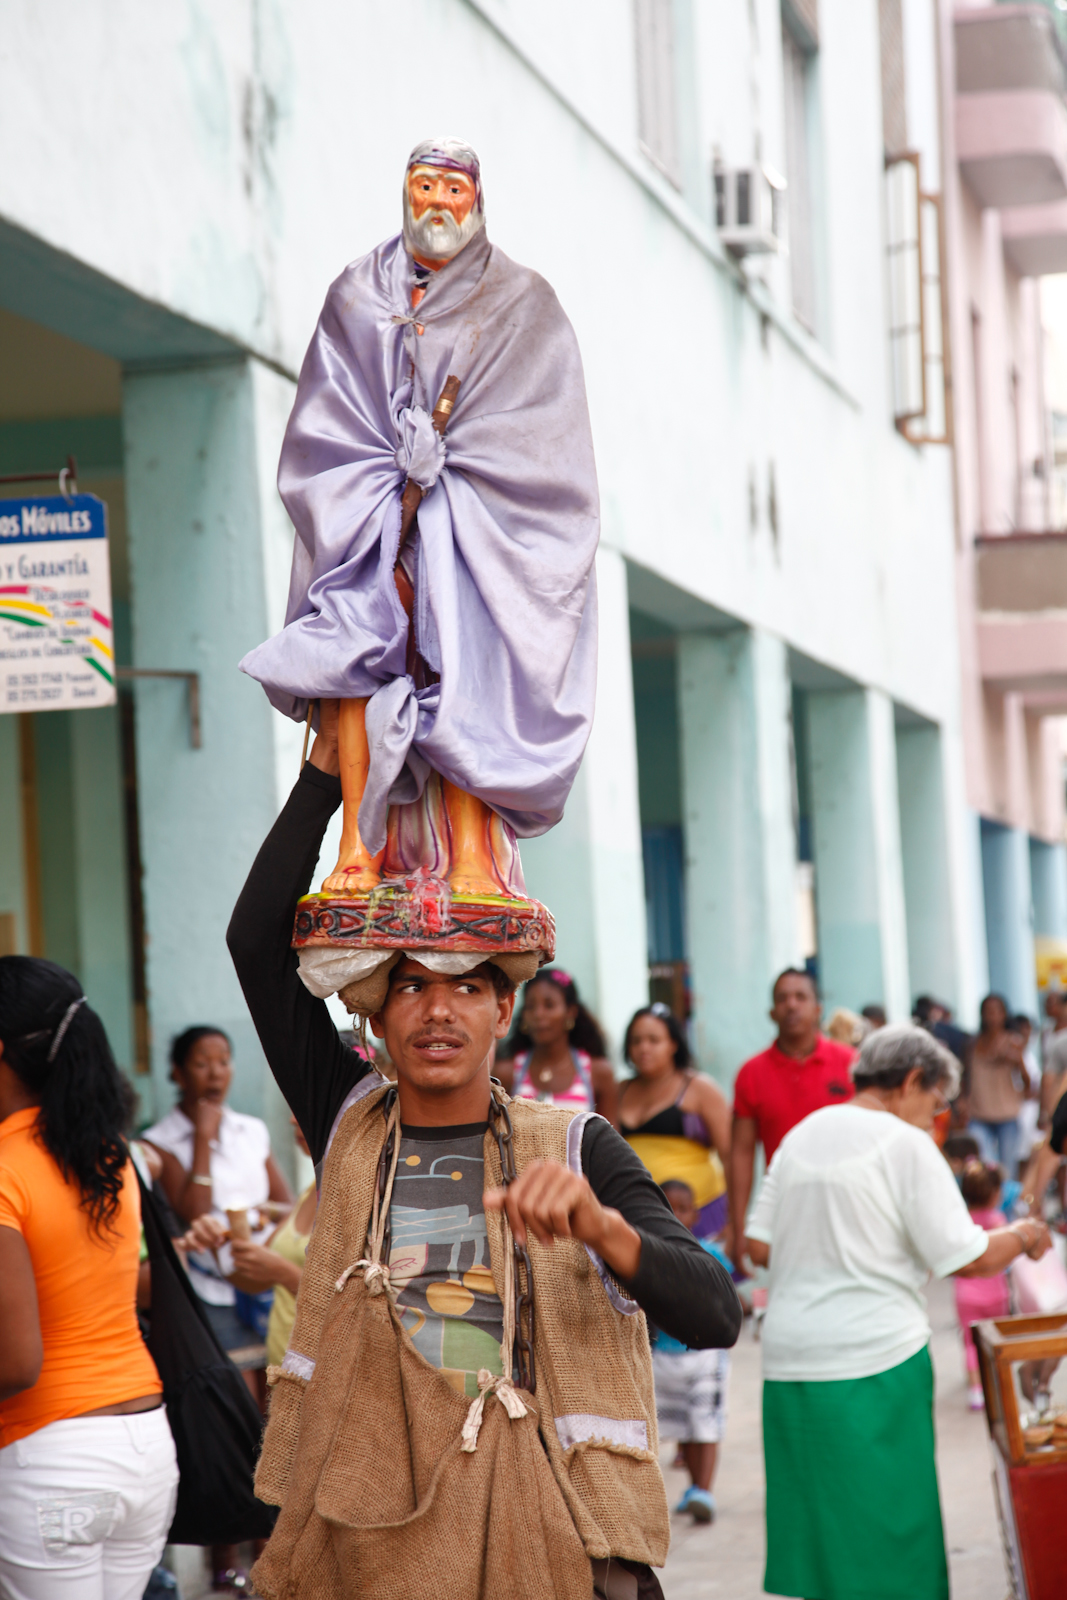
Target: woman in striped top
[562, 1060]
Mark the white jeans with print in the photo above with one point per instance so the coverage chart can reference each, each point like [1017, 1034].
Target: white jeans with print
[85, 1506]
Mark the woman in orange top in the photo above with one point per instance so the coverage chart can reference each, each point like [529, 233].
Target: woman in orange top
[88, 1476]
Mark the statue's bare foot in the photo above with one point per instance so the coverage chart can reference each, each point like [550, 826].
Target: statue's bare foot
[471, 883]
[351, 881]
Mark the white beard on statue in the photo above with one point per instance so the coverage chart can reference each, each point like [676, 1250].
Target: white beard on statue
[437, 235]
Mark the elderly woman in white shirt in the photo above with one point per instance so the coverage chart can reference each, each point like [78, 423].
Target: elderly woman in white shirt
[857, 1210]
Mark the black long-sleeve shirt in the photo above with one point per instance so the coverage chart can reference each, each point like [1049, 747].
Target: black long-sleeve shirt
[682, 1288]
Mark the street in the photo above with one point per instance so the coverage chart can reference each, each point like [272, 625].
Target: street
[727, 1558]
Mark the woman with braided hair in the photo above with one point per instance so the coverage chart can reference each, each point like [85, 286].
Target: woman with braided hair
[88, 1476]
[561, 1058]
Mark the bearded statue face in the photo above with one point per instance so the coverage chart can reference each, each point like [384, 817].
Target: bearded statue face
[441, 212]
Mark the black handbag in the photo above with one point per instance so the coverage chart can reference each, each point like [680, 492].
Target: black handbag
[216, 1423]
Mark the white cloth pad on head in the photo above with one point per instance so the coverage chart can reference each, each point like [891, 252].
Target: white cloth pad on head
[324, 969]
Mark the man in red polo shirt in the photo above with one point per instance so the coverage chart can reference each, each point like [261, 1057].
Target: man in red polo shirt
[799, 1073]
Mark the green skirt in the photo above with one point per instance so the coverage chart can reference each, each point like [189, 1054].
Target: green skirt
[853, 1511]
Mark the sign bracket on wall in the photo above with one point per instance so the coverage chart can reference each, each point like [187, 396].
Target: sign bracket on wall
[192, 679]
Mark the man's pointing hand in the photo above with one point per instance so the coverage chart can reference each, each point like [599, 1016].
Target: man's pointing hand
[550, 1202]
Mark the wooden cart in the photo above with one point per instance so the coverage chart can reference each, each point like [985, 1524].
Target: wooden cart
[1030, 1471]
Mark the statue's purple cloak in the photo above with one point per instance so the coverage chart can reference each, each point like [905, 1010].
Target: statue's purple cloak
[505, 590]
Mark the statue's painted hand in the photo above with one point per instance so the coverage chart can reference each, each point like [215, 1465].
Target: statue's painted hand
[550, 1201]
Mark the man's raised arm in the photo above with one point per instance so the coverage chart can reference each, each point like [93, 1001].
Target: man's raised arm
[314, 1070]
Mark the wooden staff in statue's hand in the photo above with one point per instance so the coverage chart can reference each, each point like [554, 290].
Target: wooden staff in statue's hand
[410, 501]
[411, 498]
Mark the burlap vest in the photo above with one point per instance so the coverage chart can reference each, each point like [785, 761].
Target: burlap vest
[595, 1403]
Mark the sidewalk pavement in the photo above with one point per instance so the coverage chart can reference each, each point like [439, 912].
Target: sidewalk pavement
[727, 1559]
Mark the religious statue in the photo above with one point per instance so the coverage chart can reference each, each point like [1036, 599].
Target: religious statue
[438, 469]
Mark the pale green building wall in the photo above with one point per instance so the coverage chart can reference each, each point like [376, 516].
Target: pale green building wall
[12, 876]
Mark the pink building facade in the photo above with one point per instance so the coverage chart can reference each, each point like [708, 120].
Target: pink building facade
[1004, 175]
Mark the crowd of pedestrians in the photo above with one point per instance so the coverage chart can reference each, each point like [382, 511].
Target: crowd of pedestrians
[821, 1181]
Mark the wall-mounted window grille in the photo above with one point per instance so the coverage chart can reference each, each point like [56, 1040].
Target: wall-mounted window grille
[917, 317]
[657, 100]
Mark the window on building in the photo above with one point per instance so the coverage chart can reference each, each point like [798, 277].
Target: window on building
[985, 520]
[657, 100]
[800, 37]
[917, 321]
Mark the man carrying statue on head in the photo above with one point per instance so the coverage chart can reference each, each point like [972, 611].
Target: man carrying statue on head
[466, 1404]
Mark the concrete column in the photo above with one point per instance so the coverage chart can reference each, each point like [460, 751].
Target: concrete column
[1048, 880]
[859, 880]
[1009, 915]
[734, 710]
[588, 870]
[971, 936]
[76, 793]
[204, 581]
[928, 900]
[101, 904]
[964, 855]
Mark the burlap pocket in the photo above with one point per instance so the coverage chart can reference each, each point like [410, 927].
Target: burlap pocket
[623, 1487]
[491, 1526]
[411, 1513]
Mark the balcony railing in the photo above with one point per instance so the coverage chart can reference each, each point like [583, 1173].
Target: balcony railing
[1022, 614]
[1022, 572]
[1011, 115]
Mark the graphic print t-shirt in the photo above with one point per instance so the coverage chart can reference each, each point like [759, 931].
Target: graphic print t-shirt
[439, 1254]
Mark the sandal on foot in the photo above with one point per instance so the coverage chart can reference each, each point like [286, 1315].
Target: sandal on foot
[700, 1505]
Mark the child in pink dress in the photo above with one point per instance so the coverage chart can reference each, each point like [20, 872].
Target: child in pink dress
[979, 1298]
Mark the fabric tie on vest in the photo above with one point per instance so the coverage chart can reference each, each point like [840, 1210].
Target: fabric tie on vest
[501, 1386]
[375, 1270]
[375, 1276]
[505, 1392]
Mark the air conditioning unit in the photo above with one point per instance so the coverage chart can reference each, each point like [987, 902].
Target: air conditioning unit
[749, 209]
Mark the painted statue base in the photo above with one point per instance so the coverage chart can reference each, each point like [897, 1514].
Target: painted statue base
[348, 943]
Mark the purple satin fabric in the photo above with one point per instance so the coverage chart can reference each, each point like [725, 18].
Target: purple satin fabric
[505, 597]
